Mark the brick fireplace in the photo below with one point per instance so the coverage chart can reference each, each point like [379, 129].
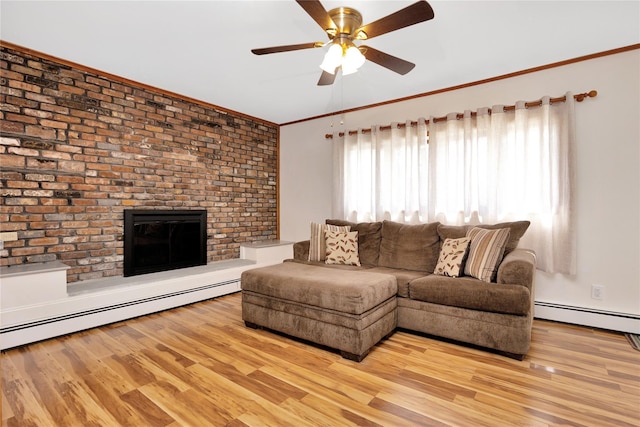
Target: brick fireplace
[78, 147]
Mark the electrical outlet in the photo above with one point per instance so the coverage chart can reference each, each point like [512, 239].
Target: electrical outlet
[597, 292]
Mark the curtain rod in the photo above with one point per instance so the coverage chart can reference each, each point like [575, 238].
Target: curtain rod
[578, 97]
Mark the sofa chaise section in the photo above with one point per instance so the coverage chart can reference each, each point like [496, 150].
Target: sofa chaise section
[346, 310]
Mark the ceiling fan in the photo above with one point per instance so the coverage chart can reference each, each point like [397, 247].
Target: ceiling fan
[343, 26]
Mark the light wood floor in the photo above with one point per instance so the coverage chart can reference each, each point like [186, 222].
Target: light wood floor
[200, 366]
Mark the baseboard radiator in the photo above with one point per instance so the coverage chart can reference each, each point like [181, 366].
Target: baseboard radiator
[40, 329]
[80, 310]
[602, 319]
[36, 303]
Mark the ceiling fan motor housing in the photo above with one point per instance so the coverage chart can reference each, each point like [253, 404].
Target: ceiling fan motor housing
[347, 20]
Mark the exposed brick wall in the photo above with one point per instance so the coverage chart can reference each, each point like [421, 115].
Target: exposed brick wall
[77, 148]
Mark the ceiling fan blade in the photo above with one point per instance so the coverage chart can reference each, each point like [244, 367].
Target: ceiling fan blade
[391, 62]
[418, 12]
[285, 48]
[316, 11]
[327, 79]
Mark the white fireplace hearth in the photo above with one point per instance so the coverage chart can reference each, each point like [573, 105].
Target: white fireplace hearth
[36, 303]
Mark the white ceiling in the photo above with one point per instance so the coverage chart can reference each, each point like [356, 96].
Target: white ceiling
[201, 49]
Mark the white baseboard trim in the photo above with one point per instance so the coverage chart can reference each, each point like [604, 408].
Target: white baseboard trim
[36, 303]
[622, 322]
[17, 335]
[41, 329]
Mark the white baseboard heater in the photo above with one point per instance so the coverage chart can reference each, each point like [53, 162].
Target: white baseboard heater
[622, 322]
[37, 330]
[36, 303]
[96, 305]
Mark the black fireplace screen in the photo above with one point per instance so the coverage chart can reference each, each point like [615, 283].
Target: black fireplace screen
[159, 240]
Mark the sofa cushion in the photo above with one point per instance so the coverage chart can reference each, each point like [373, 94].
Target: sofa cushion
[403, 277]
[342, 247]
[409, 246]
[317, 245]
[452, 257]
[345, 291]
[516, 231]
[470, 293]
[369, 235]
[485, 252]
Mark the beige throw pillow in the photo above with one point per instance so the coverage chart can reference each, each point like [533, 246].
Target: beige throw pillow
[317, 240]
[452, 256]
[485, 252]
[342, 248]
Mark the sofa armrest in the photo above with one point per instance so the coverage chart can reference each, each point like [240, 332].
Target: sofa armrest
[301, 250]
[518, 268]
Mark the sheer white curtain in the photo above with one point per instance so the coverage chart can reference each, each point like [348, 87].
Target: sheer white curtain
[505, 166]
[489, 166]
[382, 174]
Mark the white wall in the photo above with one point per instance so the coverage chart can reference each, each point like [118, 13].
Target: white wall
[608, 164]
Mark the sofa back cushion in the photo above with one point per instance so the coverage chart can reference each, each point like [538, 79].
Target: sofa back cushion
[409, 246]
[369, 235]
[516, 231]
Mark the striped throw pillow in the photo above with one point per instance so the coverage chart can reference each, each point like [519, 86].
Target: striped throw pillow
[485, 252]
[317, 245]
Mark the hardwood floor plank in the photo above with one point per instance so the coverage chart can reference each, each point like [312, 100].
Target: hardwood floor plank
[148, 412]
[199, 365]
[285, 388]
[441, 411]
[252, 402]
[420, 382]
[409, 416]
[232, 399]
[185, 407]
[51, 381]
[495, 408]
[316, 411]
[101, 384]
[5, 409]
[552, 399]
[37, 372]
[198, 351]
[330, 387]
[22, 407]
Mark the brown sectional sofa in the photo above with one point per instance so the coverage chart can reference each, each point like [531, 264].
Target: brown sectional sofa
[351, 308]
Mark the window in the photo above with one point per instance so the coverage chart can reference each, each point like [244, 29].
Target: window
[489, 166]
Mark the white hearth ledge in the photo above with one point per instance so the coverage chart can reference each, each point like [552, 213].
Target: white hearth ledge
[36, 303]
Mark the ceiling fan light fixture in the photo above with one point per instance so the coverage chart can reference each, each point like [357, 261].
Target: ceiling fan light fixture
[332, 59]
[346, 70]
[352, 60]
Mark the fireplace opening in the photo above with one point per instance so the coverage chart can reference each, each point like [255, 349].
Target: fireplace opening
[159, 240]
